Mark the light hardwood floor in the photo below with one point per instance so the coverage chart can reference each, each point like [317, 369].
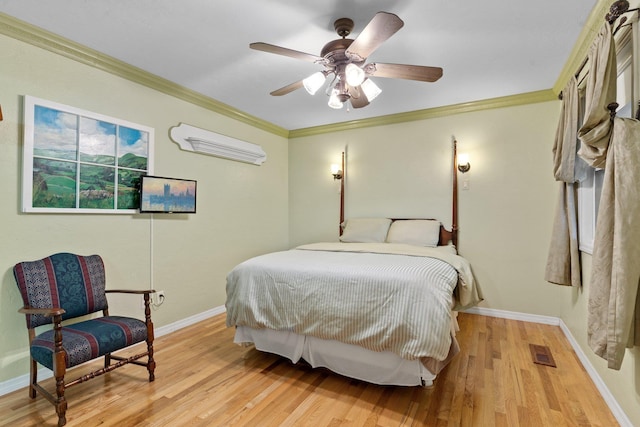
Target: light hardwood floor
[203, 379]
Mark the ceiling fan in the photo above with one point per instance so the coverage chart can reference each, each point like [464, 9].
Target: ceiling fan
[345, 59]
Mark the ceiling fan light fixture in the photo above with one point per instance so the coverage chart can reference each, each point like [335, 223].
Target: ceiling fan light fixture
[334, 100]
[354, 74]
[314, 82]
[370, 89]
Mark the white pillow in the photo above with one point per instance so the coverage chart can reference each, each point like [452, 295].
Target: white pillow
[419, 232]
[365, 230]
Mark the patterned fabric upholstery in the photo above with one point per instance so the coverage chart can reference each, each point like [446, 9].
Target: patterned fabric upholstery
[89, 339]
[73, 282]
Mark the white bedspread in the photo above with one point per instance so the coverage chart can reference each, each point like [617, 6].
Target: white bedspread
[383, 297]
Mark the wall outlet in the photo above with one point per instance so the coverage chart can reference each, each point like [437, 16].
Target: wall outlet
[159, 295]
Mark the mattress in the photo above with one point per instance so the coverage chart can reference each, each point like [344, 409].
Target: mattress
[384, 298]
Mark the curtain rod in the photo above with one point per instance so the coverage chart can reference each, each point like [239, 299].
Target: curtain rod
[617, 9]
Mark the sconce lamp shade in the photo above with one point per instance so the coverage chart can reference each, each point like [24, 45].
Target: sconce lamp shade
[463, 162]
[336, 172]
[314, 82]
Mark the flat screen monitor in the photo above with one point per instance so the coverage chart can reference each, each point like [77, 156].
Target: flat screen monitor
[167, 195]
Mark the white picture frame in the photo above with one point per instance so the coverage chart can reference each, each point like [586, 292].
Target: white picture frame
[77, 161]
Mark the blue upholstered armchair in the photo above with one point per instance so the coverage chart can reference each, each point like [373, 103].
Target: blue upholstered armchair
[66, 286]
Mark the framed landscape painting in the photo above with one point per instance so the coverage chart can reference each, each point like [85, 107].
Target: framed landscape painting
[76, 161]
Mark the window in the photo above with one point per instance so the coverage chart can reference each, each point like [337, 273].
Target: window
[590, 188]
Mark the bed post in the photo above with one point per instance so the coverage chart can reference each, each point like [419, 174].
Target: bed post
[454, 213]
[344, 174]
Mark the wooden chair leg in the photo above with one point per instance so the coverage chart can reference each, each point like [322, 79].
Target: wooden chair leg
[34, 379]
[59, 370]
[61, 410]
[151, 363]
[107, 360]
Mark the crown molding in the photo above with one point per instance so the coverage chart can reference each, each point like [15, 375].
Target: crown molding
[430, 113]
[46, 40]
[581, 47]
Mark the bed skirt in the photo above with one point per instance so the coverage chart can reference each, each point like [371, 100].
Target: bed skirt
[383, 368]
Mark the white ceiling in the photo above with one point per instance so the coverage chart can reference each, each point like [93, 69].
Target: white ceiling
[488, 48]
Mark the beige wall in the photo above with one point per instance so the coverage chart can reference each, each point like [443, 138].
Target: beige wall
[625, 383]
[242, 208]
[505, 216]
[404, 170]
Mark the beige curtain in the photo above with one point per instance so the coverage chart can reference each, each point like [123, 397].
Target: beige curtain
[564, 147]
[563, 260]
[613, 292]
[600, 92]
[614, 145]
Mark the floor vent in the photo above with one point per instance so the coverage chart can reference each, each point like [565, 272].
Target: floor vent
[542, 355]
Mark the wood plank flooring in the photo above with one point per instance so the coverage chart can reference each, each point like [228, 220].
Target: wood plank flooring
[203, 379]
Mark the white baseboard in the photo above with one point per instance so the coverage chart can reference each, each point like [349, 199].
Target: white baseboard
[617, 411]
[23, 380]
[615, 408]
[512, 315]
[167, 329]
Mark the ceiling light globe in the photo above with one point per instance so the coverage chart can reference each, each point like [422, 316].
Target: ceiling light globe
[334, 100]
[354, 75]
[314, 82]
[370, 89]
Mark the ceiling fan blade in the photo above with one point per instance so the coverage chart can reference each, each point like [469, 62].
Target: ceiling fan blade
[402, 71]
[361, 100]
[287, 89]
[380, 28]
[270, 48]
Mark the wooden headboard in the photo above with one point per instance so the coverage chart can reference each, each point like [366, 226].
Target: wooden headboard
[446, 236]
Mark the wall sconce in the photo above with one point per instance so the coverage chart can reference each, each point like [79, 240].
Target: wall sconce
[335, 171]
[463, 163]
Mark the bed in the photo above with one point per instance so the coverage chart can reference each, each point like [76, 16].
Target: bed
[378, 306]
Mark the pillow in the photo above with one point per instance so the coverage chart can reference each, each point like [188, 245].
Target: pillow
[419, 232]
[365, 230]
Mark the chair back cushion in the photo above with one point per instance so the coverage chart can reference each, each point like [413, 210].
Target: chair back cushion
[75, 283]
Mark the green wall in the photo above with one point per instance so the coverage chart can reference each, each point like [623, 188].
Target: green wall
[242, 208]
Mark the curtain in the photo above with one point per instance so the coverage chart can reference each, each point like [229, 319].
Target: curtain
[614, 145]
[563, 260]
[600, 92]
[614, 303]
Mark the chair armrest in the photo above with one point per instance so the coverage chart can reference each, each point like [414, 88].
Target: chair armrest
[53, 311]
[131, 291]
